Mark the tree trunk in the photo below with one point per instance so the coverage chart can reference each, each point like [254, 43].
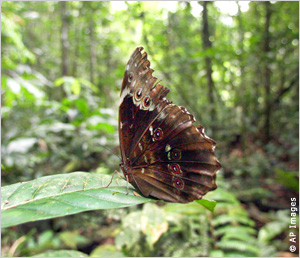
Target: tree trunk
[267, 75]
[64, 39]
[92, 48]
[77, 42]
[255, 107]
[241, 91]
[186, 100]
[208, 63]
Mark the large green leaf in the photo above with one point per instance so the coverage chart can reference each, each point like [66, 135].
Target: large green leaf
[60, 195]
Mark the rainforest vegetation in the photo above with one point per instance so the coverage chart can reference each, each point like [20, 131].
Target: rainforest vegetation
[233, 65]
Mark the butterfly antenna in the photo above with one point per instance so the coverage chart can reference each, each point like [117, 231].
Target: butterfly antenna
[159, 81]
[155, 84]
[111, 152]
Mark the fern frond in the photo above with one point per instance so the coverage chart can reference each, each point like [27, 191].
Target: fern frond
[234, 230]
[234, 219]
[235, 245]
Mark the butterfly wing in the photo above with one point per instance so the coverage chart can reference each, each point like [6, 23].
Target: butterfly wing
[180, 165]
[140, 102]
[164, 154]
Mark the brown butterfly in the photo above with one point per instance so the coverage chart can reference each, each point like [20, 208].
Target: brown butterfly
[163, 154]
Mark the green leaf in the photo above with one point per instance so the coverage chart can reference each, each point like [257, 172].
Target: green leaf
[131, 227]
[61, 253]
[221, 195]
[59, 81]
[45, 237]
[208, 204]
[72, 239]
[229, 229]
[189, 209]
[238, 246]
[61, 195]
[102, 126]
[234, 219]
[242, 237]
[216, 253]
[153, 223]
[82, 106]
[106, 251]
[271, 230]
[288, 179]
[88, 84]
[75, 86]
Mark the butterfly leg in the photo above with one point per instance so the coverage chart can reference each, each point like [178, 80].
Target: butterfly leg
[112, 179]
[127, 184]
[120, 175]
[116, 171]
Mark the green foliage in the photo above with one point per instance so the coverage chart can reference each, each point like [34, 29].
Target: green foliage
[73, 85]
[233, 229]
[59, 122]
[171, 230]
[15, 49]
[106, 251]
[73, 239]
[279, 224]
[288, 179]
[150, 222]
[61, 253]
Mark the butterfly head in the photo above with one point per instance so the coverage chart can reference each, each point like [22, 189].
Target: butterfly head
[125, 166]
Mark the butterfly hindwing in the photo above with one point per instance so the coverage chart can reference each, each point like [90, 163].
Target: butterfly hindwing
[182, 159]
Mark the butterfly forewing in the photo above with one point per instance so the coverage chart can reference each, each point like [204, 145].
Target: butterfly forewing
[163, 154]
[140, 101]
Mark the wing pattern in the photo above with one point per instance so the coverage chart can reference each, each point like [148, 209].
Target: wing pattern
[163, 154]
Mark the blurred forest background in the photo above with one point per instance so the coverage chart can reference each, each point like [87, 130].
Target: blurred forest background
[234, 65]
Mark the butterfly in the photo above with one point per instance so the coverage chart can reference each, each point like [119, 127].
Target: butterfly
[163, 154]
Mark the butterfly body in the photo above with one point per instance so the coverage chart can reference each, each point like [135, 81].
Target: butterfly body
[163, 154]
